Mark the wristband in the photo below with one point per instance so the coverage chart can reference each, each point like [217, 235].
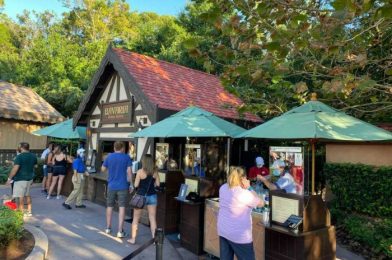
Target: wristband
[250, 188]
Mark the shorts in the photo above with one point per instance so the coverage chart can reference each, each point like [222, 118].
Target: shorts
[21, 189]
[151, 200]
[121, 196]
[59, 170]
[45, 170]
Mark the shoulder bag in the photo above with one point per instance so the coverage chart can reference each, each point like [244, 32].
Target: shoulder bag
[138, 201]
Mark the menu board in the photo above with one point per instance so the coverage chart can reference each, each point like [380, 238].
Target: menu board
[283, 208]
[193, 185]
[161, 155]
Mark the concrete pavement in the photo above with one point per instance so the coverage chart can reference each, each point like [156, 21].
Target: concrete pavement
[79, 233]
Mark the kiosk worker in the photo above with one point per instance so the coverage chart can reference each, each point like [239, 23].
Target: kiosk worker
[236, 201]
[259, 169]
[285, 182]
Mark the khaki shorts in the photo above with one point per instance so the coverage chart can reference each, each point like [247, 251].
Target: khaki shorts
[21, 189]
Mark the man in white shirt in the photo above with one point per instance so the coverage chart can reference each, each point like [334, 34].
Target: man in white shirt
[44, 158]
[285, 182]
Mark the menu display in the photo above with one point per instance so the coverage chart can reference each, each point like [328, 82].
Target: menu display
[283, 208]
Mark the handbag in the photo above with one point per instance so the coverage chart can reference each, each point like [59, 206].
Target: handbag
[138, 201]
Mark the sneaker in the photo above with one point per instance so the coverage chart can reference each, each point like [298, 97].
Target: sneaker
[48, 197]
[108, 231]
[58, 197]
[121, 234]
[80, 206]
[66, 206]
[27, 214]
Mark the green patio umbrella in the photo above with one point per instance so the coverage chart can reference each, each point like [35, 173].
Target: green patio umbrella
[63, 130]
[191, 122]
[315, 121]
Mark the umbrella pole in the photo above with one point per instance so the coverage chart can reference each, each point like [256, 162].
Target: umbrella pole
[228, 153]
[313, 166]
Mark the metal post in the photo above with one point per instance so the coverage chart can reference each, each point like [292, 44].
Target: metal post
[159, 236]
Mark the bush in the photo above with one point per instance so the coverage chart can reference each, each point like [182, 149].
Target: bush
[4, 172]
[39, 172]
[376, 234]
[361, 188]
[11, 225]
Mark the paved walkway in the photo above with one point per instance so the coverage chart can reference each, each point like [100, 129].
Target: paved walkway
[78, 233]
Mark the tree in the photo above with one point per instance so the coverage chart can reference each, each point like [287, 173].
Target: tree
[276, 52]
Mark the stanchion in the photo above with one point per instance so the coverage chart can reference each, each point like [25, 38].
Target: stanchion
[158, 240]
[159, 236]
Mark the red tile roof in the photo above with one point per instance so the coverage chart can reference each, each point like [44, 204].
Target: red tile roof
[175, 87]
[22, 103]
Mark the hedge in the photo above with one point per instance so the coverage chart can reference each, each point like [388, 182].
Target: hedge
[361, 188]
[11, 225]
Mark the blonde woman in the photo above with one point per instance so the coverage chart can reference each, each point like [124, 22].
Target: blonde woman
[146, 180]
[236, 201]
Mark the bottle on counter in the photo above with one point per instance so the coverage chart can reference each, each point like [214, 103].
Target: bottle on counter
[266, 214]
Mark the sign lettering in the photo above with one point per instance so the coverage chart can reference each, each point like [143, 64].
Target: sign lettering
[117, 112]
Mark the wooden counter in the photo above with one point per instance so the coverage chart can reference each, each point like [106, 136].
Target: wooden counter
[211, 239]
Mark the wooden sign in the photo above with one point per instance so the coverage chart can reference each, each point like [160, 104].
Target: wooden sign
[116, 112]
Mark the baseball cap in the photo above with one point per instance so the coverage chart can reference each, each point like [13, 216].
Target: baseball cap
[259, 161]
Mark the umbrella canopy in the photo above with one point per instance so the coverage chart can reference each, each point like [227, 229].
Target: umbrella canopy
[191, 122]
[315, 120]
[63, 130]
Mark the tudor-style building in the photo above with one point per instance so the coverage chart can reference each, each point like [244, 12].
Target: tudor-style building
[131, 91]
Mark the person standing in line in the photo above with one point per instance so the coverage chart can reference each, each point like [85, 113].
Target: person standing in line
[44, 158]
[236, 201]
[119, 167]
[79, 169]
[59, 162]
[22, 174]
[146, 180]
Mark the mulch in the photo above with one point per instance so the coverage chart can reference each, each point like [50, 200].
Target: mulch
[18, 249]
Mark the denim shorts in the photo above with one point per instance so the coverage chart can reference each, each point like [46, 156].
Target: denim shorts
[152, 200]
[45, 170]
[120, 195]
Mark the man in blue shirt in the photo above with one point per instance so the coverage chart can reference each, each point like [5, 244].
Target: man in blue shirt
[79, 170]
[119, 167]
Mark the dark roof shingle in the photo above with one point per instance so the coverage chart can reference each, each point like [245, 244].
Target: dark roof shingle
[175, 87]
[22, 103]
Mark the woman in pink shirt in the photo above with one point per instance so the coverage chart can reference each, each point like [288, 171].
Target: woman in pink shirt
[236, 201]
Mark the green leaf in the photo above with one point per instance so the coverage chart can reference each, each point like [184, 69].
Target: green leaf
[273, 46]
[190, 43]
[385, 11]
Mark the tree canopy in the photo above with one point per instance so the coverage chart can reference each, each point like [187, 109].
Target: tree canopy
[271, 54]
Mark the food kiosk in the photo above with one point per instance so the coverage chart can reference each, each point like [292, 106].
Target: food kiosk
[292, 226]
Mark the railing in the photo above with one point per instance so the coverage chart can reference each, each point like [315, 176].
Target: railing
[158, 240]
[9, 155]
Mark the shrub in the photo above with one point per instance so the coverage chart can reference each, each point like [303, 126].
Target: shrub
[361, 188]
[4, 172]
[11, 225]
[375, 233]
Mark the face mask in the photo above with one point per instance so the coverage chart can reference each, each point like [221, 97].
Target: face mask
[259, 166]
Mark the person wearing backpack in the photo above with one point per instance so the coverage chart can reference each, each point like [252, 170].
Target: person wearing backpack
[46, 168]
